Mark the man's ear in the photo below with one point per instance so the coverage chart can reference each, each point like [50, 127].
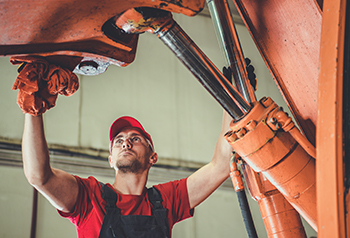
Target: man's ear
[110, 161]
[153, 158]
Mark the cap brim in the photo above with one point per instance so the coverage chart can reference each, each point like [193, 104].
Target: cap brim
[125, 122]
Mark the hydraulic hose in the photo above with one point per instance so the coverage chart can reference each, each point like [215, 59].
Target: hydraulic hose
[238, 185]
[246, 214]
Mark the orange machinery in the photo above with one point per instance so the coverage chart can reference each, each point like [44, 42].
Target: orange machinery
[288, 171]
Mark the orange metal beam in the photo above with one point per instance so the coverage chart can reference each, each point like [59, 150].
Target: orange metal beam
[74, 27]
[329, 163]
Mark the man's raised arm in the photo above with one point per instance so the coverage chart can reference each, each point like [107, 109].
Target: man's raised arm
[58, 186]
[208, 178]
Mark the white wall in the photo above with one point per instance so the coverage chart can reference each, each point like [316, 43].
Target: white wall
[183, 119]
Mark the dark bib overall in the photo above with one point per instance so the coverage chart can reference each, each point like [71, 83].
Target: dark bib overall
[116, 225]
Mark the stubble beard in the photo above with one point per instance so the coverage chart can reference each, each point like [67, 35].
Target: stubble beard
[134, 166]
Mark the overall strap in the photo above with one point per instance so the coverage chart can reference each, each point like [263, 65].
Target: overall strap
[155, 198]
[158, 211]
[108, 195]
[111, 219]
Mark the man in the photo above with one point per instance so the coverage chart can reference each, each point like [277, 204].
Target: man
[125, 208]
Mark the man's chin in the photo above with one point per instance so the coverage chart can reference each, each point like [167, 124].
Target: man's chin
[128, 170]
[129, 167]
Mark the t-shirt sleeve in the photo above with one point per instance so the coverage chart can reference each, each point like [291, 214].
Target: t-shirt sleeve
[175, 199]
[83, 205]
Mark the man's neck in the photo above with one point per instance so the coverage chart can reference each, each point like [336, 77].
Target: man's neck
[130, 183]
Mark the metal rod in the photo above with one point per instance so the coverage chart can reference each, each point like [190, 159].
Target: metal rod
[34, 214]
[203, 69]
[229, 43]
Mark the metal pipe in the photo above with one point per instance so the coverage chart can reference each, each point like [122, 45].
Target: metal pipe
[203, 69]
[34, 214]
[287, 124]
[229, 43]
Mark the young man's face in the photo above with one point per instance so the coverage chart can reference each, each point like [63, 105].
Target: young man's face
[131, 152]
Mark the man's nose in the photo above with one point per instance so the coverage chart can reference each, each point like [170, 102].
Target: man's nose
[127, 144]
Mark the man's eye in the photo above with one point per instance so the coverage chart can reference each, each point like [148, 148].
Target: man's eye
[119, 141]
[136, 139]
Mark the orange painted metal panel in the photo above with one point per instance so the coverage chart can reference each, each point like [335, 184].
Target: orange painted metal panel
[287, 33]
[330, 184]
[73, 27]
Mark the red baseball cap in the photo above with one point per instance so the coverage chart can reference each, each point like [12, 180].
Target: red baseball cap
[124, 122]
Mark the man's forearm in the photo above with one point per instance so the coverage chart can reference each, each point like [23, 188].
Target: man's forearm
[35, 153]
[208, 178]
[59, 187]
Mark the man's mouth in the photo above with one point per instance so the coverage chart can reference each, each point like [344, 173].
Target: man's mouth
[126, 152]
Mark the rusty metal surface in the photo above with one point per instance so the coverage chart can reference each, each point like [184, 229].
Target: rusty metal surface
[74, 28]
[287, 34]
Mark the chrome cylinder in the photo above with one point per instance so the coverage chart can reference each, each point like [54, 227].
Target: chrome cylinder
[229, 43]
[203, 69]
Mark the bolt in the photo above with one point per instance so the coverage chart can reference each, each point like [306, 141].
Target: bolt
[278, 126]
[273, 120]
[251, 125]
[230, 136]
[88, 67]
[267, 101]
[241, 132]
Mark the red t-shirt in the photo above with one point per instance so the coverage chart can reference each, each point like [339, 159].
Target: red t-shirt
[89, 210]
